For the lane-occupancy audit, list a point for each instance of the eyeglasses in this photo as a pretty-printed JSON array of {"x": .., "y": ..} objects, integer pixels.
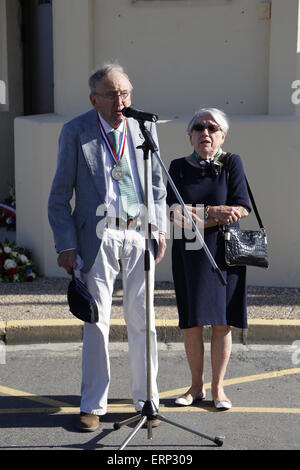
[
  {"x": 113, "y": 96},
  {"x": 200, "y": 127}
]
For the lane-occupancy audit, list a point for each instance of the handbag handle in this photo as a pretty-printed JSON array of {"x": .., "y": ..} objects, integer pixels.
[{"x": 228, "y": 155}]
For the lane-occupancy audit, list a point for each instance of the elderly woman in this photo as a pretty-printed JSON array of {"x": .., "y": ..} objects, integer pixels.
[{"x": 212, "y": 178}]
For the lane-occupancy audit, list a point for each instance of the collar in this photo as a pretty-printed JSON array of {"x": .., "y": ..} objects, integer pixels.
[
  {"x": 203, "y": 161},
  {"x": 108, "y": 128}
]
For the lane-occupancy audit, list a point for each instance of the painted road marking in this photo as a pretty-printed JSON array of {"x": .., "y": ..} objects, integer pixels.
[
  {"x": 162, "y": 409},
  {"x": 236, "y": 380},
  {"x": 30, "y": 396},
  {"x": 56, "y": 406}
]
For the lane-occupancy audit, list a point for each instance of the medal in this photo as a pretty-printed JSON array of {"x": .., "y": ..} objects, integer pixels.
[{"x": 117, "y": 173}]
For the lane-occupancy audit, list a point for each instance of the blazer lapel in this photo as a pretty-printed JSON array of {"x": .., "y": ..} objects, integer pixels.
[{"x": 93, "y": 150}]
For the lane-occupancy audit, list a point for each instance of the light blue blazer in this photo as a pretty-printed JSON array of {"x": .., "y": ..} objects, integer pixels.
[{"x": 80, "y": 168}]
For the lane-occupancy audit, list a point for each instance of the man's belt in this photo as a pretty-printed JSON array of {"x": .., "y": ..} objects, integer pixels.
[{"x": 129, "y": 224}]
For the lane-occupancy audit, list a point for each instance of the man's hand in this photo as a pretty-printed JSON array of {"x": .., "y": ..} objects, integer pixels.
[
  {"x": 161, "y": 248},
  {"x": 67, "y": 260}
]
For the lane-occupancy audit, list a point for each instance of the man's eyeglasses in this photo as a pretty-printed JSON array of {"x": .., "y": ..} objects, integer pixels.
[
  {"x": 113, "y": 96},
  {"x": 200, "y": 127}
]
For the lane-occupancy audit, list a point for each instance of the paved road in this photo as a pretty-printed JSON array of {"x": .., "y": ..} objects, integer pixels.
[{"x": 40, "y": 396}]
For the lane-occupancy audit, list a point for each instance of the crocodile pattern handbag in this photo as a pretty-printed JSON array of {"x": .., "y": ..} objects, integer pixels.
[{"x": 246, "y": 247}]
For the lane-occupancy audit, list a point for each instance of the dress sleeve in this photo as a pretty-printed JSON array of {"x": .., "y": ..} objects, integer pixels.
[
  {"x": 237, "y": 187},
  {"x": 174, "y": 172}
]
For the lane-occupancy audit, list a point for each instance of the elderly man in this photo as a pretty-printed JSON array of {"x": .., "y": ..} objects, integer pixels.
[{"x": 99, "y": 159}]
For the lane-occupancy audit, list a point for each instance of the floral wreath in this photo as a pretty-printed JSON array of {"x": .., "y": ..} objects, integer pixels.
[
  {"x": 8, "y": 211},
  {"x": 16, "y": 264}
]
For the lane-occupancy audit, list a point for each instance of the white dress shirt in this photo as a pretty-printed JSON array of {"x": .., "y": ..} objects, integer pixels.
[{"x": 113, "y": 191}]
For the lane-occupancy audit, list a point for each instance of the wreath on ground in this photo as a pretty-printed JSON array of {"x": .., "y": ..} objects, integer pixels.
[
  {"x": 16, "y": 264},
  {"x": 8, "y": 211}
]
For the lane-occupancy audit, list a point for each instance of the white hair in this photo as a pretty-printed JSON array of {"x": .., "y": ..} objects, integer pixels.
[
  {"x": 217, "y": 115},
  {"x": 102, "y": 73}
]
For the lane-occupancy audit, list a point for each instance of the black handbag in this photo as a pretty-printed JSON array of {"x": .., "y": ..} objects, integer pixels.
[
  {"x": 246, "y": 247},
  {"x": 81, "y": 302}
]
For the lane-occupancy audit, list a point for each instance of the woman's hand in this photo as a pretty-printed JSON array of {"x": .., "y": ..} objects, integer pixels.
[
  {"x": 217, "y": 215},
  {"x": 226, "y": 214}
]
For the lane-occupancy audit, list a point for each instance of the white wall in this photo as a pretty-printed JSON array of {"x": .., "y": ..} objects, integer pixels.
[
  {"x": 190, "y": 53},
  {"x": 73, "y": 54},
  {"x": 179, "y": 55},
  {"x": 270, "y": 150},
  {"x": 36, "y": 143},
  {"x": 284, "y": 48},
  {"x": 271, "y": 162}
]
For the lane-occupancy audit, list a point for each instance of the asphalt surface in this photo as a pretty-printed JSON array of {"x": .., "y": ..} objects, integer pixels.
[{"x": 40, "y": 398}]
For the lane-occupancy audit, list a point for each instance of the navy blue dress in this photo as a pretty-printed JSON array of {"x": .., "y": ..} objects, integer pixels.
[{"x": 201, "y": 297}]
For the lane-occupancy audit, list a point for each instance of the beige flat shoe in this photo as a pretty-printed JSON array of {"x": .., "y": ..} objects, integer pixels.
[
  {"x": 223, "y": 404},
  {"x": 188, "y": 399}
]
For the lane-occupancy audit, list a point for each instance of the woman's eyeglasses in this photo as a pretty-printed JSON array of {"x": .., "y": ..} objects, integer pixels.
[{"x": 200, "y": 127}]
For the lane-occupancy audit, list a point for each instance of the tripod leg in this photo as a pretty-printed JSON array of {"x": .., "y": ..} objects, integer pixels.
[
  {"x": 127, "y": 421},
  {"x": 216, "y": 440},
  {"x": 149, "y": 429},
  {"x": 133, "y": 433}
]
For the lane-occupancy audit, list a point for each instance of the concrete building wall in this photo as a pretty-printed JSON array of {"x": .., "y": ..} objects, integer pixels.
[
  {"x": 180, "y": 55},
  {"x": 272, "y": 166},
  {"x": 190, "y": 53},
  {"x": 73, "y": 54},
  {"x": 169, "y": 47}
]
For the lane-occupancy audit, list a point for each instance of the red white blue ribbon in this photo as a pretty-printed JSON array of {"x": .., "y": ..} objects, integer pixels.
[
  {"x": 8, "y": 209},
  {"x": 117, "y": 157}
]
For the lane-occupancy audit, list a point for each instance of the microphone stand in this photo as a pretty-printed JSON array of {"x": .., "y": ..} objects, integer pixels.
[{"x": 149, "y": 411}]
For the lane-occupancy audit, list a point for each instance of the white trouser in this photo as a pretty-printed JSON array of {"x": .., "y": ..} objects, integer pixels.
[{"x": 126, "y": 247}]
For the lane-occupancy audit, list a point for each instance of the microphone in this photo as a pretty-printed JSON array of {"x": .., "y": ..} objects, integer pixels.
[{"x": 139, "y": 115}]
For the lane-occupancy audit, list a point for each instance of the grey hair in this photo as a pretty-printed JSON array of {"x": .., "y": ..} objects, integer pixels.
[
  {"x": 217, "y": 114},
  {"x": 102, "y": 73}
]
